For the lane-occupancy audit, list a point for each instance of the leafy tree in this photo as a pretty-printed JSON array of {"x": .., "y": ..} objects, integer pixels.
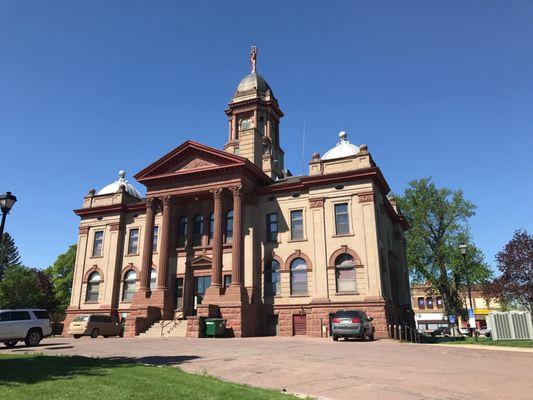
[
  {"x": 61, "y": 274},
  {"x": 9, "y": 254},
  {"x": 515, "y": 262},
  {"x": 24, "y": 287},
  {"x": 438, "y": 220}
]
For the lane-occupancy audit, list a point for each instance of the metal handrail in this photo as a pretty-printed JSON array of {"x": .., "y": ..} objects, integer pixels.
[{"x": 177, "y": 316}]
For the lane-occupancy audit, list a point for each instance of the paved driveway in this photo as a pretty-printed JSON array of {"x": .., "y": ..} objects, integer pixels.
[{"x": 322, "y": 368}]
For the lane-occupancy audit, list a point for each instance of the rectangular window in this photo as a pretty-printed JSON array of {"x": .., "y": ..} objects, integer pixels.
[
  {"x": 342, "y": 224},
  {"x": 297, "y": 224},
  {"x": 20, "y": 316},
  {"x": 98, "y": 243},
  {"x": 421, "y": 303},
  {"x": 272, "y": 227},
  {"x": 429, "y": 302},
  {"x": 227, "y": 280},
  {"x": 156, "y": 238},
  {"x": 133, "y": 242},
  {"x": 440, "y": 304}
]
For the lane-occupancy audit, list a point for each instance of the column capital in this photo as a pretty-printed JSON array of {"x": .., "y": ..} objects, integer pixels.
[
  {"x": 167, "y": 201},
  {"x": 152, "y": 202},
  {"x": 237, "y": 191},
  {"x": 217, "y": 193}
]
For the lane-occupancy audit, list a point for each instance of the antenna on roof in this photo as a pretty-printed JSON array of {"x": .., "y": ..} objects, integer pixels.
[{"x": 303, "y": 148}]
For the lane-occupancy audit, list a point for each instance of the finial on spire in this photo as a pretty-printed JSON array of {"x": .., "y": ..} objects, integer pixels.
[
  {"x": 253, "y": 58},
  {"x": 121, "y": 174},
  {"x": 343, "y": 135}
]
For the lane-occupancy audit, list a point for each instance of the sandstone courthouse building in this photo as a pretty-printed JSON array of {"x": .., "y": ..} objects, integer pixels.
[{"x": 231, "y": 233}]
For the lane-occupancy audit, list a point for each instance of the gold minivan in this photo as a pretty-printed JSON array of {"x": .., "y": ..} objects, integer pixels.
[{"x": 94, "y": 325}]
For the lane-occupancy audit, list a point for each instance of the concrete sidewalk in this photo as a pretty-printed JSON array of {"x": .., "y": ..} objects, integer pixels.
[{"x": 342, "y": 370}]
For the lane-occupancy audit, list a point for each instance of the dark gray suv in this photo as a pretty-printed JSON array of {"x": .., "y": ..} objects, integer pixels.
[{"x": 352, "y": 324}]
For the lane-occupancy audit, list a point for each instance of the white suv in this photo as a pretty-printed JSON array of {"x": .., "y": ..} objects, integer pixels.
[{"x": 29, "y": 324}]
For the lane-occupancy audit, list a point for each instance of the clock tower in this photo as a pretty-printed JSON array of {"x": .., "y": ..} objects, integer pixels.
[{"x": 254, "y": 116}]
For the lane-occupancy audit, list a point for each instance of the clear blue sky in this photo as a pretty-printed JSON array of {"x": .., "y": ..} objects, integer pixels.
[{"x": 441, "y": 89}]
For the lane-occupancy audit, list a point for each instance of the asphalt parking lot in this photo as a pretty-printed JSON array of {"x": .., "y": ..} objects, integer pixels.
[{"x": 382, "y": 369}]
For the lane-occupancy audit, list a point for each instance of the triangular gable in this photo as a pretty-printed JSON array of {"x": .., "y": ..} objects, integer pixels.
[
  {"x": 201, "y": 261},
  {"x": 190, "y": 157}
]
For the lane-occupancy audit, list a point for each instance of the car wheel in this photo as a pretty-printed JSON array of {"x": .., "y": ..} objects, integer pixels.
[
  {"x": 94, "y": 333},
  {"x": 33, "y": 338},
  {"x": 11, "y": 343},
  {"x": 76, "y": 336},
  {"x": 335, "y": 339}
]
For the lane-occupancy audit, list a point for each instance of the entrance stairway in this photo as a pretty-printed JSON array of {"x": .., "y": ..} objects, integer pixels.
[{"x": 176, "y": 327}]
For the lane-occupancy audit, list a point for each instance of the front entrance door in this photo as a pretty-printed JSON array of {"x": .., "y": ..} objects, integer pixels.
[
  {"x": 201, "y": 283},
  {"x": 299, "y": 323}
]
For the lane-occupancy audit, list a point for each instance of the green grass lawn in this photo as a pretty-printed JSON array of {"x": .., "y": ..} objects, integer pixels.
[
  {"x": 488, "y": 342},
  {"x": 50, "y": 377}
]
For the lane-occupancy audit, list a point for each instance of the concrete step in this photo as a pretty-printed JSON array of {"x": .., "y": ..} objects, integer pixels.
[{"x": 171, "y": 329}]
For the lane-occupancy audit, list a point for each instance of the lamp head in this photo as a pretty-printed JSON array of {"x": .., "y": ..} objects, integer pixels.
[
  {"x": 6, "y": 202},
  {"x": 463, "y": 248}
]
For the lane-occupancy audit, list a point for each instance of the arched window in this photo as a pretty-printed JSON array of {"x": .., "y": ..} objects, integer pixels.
[
  {"x": 93, "y": 287},
  {"x": 229, "y": 226},
  {"x": 345, "y": 273},
  {"x": 182, "y": 231},
  {"x": 197, "y": 230},
  {"x": 130, "y": 281},
  {"x": 153, "y": 278},
  {"x": 211, "y": 226},
  {"x": 298, "y": 276},
  {"x": 272, "y": 281}
]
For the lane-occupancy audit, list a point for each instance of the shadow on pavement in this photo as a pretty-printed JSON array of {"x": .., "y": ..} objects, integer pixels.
[{"x": 37, "y": 368}]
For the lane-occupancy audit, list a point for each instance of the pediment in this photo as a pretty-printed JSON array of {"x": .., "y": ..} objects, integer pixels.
[
  {"x": 201, "y": 261},
  {"x": 190, "y": 158}
]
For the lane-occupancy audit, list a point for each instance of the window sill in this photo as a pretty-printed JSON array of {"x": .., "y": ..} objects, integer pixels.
[
  {"x": 346, "y": 293},
  {"x": 344, "y": 235},
  {"x": 91, "y": 302},
  {"x": 97, "y": 256},
  {"x": 299, "y": 295},
  {"x": 297, "y": 240},
  {"x": 131, "y": 254}
]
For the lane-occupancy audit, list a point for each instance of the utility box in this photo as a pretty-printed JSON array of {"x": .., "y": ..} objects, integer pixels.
[{"x": 511, "y": 325}]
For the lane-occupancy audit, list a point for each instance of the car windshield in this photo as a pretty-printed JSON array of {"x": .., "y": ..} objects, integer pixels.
[
  {"x": 346, "y": 314},
  {"x": 81, "y": 318}
]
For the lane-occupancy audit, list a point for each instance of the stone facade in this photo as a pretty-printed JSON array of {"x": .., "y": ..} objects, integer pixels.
[{"x": 206, "y": 223}]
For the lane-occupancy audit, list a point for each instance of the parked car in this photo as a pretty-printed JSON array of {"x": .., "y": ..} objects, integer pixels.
[
  {"x": 464, "y": 331},
  {"x": 352, "y": 324},
  {"x": 30, "y": 325},
  {"x": 441, "y": 331},
  {"x": 94, "y": 325},
  {"x": 484, "y": 332}
]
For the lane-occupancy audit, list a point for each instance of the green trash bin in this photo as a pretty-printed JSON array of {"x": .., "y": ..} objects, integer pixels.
[{"x": 214, "y": 327}]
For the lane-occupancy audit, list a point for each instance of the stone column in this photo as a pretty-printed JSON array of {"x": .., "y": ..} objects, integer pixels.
[
  {"x": 148, "y": 245},
  {"x": 235, "y": 128},
  {"x": 164, "y": 231},
  {"x": 216, "y": 268},
  {"x": 236, "y": 268}
]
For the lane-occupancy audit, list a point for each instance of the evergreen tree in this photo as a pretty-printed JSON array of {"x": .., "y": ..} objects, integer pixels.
[{"x": 9, "y": 254}]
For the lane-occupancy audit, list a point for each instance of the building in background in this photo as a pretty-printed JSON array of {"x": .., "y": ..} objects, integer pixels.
[
  {"x": 231, "y": 233},
  {"x": 428, "y": 306}
]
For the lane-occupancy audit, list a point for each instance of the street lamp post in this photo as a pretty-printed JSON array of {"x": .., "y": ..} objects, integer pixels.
[
  {"x": 6, "y": 202},
  {"x": 463, "y": 248}
]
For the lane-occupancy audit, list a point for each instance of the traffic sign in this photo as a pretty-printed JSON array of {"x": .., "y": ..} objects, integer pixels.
[
  {"x": 470, "y": 313},
  {"x": 452, "y": 319}
]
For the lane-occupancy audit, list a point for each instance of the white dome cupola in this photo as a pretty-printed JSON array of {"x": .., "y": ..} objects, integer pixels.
[
  {"x": 343, "y": 148},
  {"x": 115, "y": 186}
]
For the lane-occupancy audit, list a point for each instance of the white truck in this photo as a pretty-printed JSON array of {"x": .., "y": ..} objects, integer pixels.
[{"x": 28, "y": 324}]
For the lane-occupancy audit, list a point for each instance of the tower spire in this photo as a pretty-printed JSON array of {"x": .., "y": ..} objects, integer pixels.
[{"x": 253, "y": 59}]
